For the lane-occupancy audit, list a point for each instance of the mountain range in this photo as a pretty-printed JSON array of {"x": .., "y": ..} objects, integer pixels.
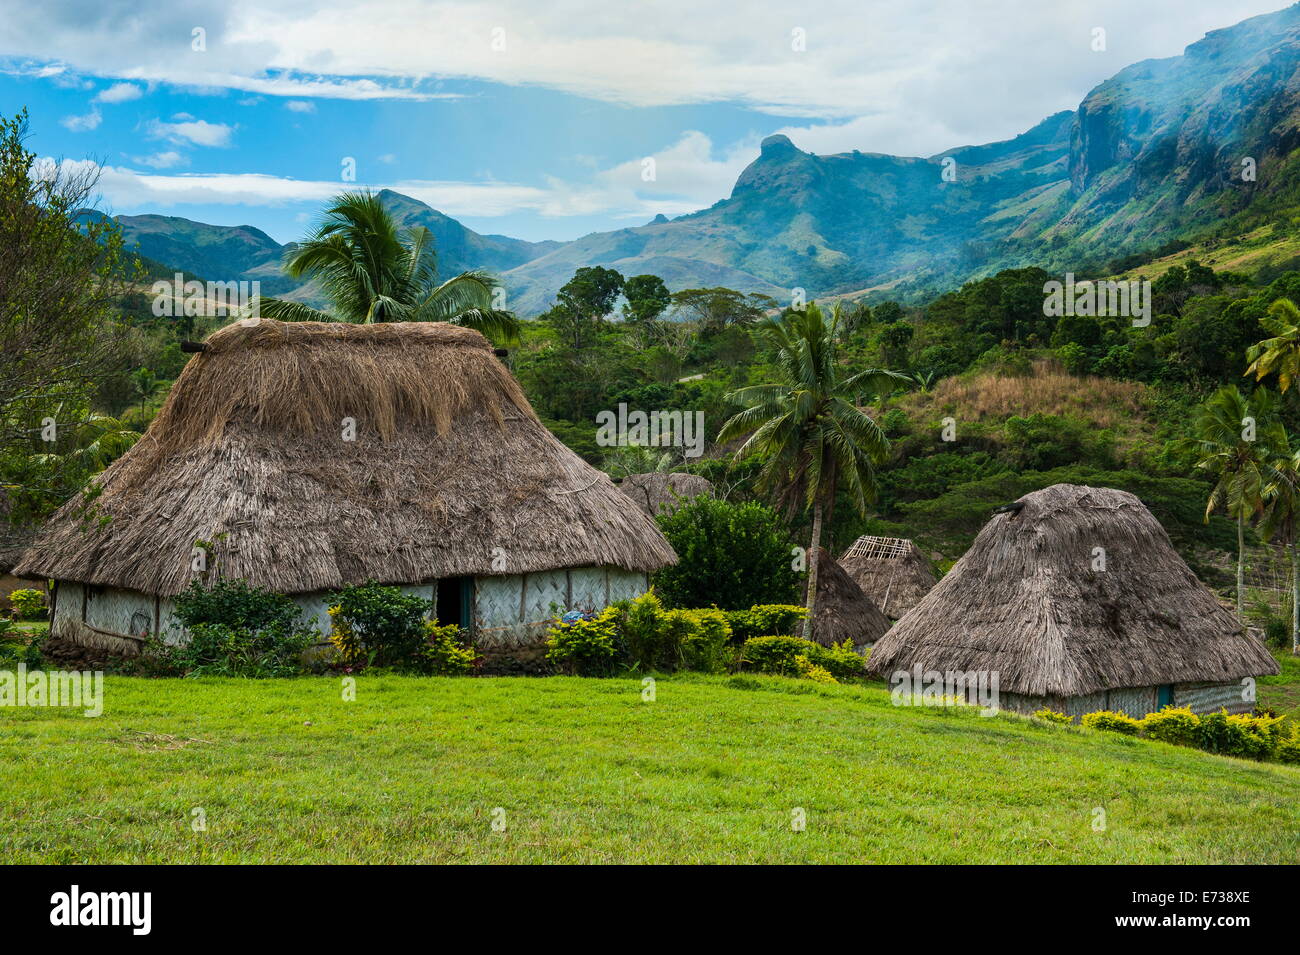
[{"x": 1161, "y": 149}]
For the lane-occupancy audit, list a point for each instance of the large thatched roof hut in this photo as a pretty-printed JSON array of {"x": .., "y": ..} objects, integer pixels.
[
  {"x": 843, "y": 611},
  {"x": 1076, "y": 599},
  {"x": 661, "y": 492},
  {"x": 892, "y": 571},
  {"x": 303, "y": 457}
]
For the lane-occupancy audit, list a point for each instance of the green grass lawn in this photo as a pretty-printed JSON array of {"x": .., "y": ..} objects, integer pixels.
[{"x": 585, "y": 771}]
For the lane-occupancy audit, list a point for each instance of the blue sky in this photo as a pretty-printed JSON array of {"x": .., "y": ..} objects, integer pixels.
[{"x": 537, "y": 120}]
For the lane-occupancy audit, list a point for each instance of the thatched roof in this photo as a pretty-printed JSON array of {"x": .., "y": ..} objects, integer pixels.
[
  {"x": 892, "y": 571},
  {"x": 1026, "y": 602},
  {"x": 450, "y": 472},
  {"x": 843, "y": 611},
  {"x": 660, "y": 493}
]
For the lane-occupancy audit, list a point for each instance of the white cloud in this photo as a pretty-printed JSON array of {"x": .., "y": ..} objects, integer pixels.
[
  {"x": 162, "y": 160},
  {"x": 300, "y": 106},
  {"x": 119, "y": 93},
  {"x": 687, "y": 176},
  {"x": 84, "y": 123},
  {"x": 189, "y": 131},
  {"x": 974, "y": 73}
]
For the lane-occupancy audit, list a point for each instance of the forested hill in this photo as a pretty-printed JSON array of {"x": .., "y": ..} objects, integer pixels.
[{"x": 1162, "y": 150}]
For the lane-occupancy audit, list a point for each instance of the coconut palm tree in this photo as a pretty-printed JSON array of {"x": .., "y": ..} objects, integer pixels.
[
  {"x": 1281, "y": 518},
  {"x": 806, "y": 426},
  {"x": 146, "y": 385},
  {"x": 1280, "y": 354},
  {"x": 372, "y": 272},
  {"x": 1234, "y": 435}
]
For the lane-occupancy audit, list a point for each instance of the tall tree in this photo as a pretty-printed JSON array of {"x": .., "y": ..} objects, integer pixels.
[
  {"x": 583, "y": 302},
  {"x": 716, "y": 308},
  {"x": 1281, "y": 517},
  {"x": 811, "y": 435},
  {"x": 647, "y": 297},
  {"x": 62, "y": 271},
  {"x": 1279, "y": 355},
  {"x": 373, "y": 272},
  {"x": 1234, "y": 435}
]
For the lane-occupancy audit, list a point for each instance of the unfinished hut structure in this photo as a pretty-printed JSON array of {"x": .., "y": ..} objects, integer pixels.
[
  {"x": 892, "y": 571},
  {"x": 842, "y": 611},
  {"x": 662, "y": 492},
  {"x": 303, "y": 457},
  {"x": 1075, "y": 598}
]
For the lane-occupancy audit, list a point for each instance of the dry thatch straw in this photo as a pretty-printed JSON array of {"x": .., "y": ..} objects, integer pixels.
[
  {"x": 892, "y": 571},
  {"x": 661, "y": 493},
  {"x": 1026, "y": 602},
  {"x": 843, "y": 611},
  {"x": 248, "y": 459}
]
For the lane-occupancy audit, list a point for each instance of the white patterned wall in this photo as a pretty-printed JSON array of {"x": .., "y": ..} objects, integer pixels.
[{"x": 511, "y": 610}]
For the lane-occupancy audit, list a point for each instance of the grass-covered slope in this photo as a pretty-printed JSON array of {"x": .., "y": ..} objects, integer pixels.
[{"x": 585, "y": 771}]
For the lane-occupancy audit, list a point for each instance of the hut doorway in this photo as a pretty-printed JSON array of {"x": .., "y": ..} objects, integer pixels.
[{"x": 455, "y": 601}]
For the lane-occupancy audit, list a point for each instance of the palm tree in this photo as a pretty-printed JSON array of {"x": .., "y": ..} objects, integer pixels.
[
  {"x": 96, "y": 441},
  {"x": 1234, "y": 435},
  {"x": 146, "y": 385},
  {"x": 1282, "y": 518},
  {"x": 811, "y": 434},
  {"x": 370, "y": 272},
  {"x": 1281, "y": 353}
]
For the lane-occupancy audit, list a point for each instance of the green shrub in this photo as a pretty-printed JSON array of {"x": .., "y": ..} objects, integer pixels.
[
  {"x": 777, "y": 654},
  {"x": 16, "y": 647},
  {"x": 667, "y": 640},
  {"x": 234, "y": 630},
  {"x": 764, "y": 620},
  {"x": 1112, "y": 722},
  {"x": 1277, "y": 633},
  {"x": 650, "y": 643},
  {"x": 705, "y": 638},
  {"x": 1243, "y": 735},
  {"x": 234, "y": 604},
  {"x": 1288, "y": 747},
  {"x": 378, "y": 625},
  {"x": 1051, "y": 716},
  {"x": 1260, "y": 735},
  {"x": 811, "y": 671},
  {"x": 843, "y": 662},
  {"x": 217, "y": 649},
  {"x": 729, "y": 555},
  {"x": 448, "y": 650},
  {"x": 780, "y": 655},
  {"x": 29, "y": 603},
  {"x": 1173, "y": 724},
  {"x": 585, "y": 647}
]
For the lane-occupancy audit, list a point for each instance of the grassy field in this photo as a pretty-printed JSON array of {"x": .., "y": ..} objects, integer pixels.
[{"x": 711, "y": 771}]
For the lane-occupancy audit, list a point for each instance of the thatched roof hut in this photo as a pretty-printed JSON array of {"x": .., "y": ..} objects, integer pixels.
[
  {"x": 661, "y": 492},
  {"x": 307, "y": 456},
  {"x": 843, "y": 611},
  {"x": 892, "y": 571},
  {"x": 1076, "y": 599}
]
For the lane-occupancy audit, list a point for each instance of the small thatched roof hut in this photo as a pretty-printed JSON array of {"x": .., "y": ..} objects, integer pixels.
[
  {"x": 892, "y": 571},
  {"x": 303, "y": 457},
  {"x": 662, "y": 492},
  {"x": 843, "y": 611},
  {"x": 1076, "y": 599}
]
